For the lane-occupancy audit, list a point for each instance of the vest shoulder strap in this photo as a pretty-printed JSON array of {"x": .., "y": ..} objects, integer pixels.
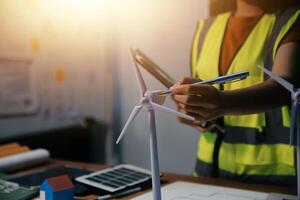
[
  {"x": 280, "y": 22},
  {"x": 206, "y": 26}
]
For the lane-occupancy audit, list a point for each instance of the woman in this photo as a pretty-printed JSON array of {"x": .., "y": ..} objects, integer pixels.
[{"x": 254, "y": 112}]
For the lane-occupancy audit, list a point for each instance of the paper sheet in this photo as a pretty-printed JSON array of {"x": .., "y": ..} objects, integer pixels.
[
  {"x": 17, "y": 89},
  {"x": 192, "y": 191}
]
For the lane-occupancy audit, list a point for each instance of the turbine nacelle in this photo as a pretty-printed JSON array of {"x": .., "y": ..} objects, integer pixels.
[{"x": 153, "y": 97}]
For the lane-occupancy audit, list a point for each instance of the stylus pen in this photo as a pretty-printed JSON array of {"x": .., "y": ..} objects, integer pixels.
[
  {"x": 219, "y": 80},
  {"x": 126, "y": 192}
]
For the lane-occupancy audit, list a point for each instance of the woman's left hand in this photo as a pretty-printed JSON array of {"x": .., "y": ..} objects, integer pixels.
[{"x": 204, "y": 102}]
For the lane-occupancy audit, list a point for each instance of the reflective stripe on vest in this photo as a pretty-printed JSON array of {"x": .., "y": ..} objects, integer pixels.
[
  {"x": 203, "y": 169},
  {"x": 254, "y": 145}
]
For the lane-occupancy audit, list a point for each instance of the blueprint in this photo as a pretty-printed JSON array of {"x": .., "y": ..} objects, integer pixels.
[{"x": 192, "y": 191}]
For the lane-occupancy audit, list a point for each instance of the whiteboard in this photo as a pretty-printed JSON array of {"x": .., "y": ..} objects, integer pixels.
[{"x": 192, "y": 191}]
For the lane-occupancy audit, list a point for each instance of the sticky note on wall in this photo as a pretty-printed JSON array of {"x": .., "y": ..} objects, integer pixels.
[
  {"x": 59, "y": 75},
  {"x": 35, "y": 44}
]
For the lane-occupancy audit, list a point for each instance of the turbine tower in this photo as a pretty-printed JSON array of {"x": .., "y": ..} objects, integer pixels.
[
  {"x": 151, "y": 101},
  {"x": 294, "y": 129}
]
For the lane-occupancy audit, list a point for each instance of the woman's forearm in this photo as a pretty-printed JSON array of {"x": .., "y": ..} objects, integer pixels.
[
  {"x": 255, "y": 99},
  {"x": 269, "y": 94}
]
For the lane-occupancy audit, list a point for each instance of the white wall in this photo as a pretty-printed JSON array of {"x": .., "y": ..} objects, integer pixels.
[
  {"x": 164, "y": 31},
  {"x": 97, "y": 44},
  {"x": 70, "y": 39}
]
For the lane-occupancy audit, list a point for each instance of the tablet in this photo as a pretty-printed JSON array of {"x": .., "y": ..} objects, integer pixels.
[{"x": 162, "y": 76}]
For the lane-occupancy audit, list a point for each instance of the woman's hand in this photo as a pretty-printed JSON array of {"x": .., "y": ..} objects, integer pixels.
[
  {"x": 204, "y": 102},
  {"x": 200, "y": 126}
]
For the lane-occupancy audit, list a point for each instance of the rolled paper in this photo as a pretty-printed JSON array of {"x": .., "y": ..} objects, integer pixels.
[{"x": 23, "y": 160}]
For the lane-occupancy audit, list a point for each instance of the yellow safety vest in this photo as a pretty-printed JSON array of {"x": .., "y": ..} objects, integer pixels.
[{"x": 254, "y": 147}]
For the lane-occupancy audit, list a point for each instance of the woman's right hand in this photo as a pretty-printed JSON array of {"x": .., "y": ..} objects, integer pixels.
[{"x": 200, "y": 126}]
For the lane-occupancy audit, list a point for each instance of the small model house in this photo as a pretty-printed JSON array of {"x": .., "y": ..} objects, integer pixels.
[{"x": 57, "y": 188}]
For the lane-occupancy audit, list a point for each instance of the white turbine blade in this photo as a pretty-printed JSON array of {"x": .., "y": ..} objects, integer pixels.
[
  {"x": 293, "y": 124},
  {"x": 139, "y": 76},
  {"x": 280, "y": 80},
  {"x": 133, "y": 114},
  {"x": 171, "y": 111}
]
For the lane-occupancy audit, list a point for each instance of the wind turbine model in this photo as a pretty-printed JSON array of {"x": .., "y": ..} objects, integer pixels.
[
  {"x": 294, "y": 129},
  {"x": 150, "y": 100}
]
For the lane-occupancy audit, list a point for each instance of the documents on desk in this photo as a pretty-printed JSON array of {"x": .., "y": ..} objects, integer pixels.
[{"x": 192, "y": 191}]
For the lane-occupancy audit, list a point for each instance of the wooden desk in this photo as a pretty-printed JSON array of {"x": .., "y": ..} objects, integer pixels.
[{"x": 170, "y": 178}]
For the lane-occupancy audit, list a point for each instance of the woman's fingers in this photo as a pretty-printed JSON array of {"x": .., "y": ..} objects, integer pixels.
[
  {"x": 194, "y": 100},
  {"x": 203, "y": 102},
  {"x": 184, "y": 80},
  {"x": 191, "y": 89},
  {"x": 187, "y": 80},
  {"x": 201, "y": 114},
  {"x": 196, "y": 124},
  {"x": 185, "y": 121},
  {"x": 203, "y": 111},
  {"x": 199, "y": 123},
  {"x": 199, "y": 119}
]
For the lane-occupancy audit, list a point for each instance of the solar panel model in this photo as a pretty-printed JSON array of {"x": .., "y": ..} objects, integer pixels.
[{"x": 116, "y": 178}]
